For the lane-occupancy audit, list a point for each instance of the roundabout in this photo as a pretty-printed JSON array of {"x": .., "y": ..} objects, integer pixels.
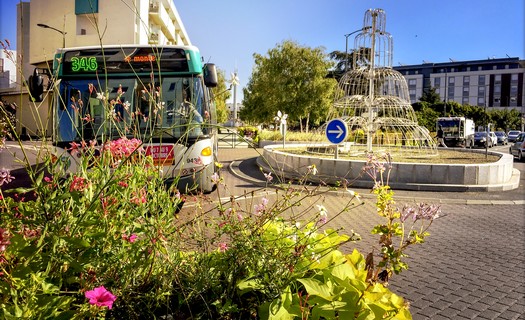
[{"x": 420, "y": 176}]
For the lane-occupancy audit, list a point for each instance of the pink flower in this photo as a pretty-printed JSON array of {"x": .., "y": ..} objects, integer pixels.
[
  {"x": 223, "y": 246},
  {"x": 78, "y": 184},
  {"x": 259, "y": 208},
  {"x": 101, "y": 297},
  {"x": 215, "y": 178},
  {"x": 131, "y": 238}
]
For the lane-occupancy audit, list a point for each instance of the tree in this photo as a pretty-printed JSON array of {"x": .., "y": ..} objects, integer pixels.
[
  {"x": 290, "y": 78},
  {"x": 430, "y": 96},
  {"x": 344, "y": 61},
  {"x": 221, "y": 93}
]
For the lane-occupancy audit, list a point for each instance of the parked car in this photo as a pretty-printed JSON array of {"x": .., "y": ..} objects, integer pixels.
[
  {"x": 517, "y": 149},
  {"x": 480, "y": 139},
  {"x": 502, "y": 137},
  {"x": 512, "y": 135}
]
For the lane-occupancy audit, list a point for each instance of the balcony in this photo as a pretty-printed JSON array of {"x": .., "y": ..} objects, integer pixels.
[
  {"x": 154, "y": 38},
  {"x": 154, "y": 7}
]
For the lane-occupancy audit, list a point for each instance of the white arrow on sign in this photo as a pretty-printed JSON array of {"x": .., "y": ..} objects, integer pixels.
[{"x": 339, "y": 131}]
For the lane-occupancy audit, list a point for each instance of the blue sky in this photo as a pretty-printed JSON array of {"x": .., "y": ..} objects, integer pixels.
[{"x": 228, "y": 32}]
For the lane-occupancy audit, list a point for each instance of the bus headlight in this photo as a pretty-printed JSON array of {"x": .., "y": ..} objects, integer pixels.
[{"x": 206, "y": 152}]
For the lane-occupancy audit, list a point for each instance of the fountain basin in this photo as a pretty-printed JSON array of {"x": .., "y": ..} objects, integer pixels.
[{"x": 494, "y": 176}]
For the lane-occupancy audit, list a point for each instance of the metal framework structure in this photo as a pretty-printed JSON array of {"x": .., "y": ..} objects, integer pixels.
[{"x": 373, "y": 98}]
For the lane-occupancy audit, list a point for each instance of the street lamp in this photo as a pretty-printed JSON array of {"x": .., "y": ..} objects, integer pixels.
[
  {"x": 346, "y": 49},
  {"x": 63, "y": 33}
]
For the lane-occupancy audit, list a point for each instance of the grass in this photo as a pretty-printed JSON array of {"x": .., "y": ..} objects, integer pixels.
[{"x": 442, "y": 156}]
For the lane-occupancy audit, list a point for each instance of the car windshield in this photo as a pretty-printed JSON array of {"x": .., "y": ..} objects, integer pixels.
[
  {"x": 480, "y": 134},
  {"x": 514, "y": 133},
  {"x": 500, "y": 134}
]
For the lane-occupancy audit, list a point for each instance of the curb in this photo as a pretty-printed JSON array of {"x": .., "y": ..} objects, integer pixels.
[{"x": 233, "y": 168}]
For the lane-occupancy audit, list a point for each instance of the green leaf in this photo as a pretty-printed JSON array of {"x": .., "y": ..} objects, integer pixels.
[
  {"x": 317, "y": 288},
  {"x": 248, "y": 285},
  {"x": 77, "y": 242},
  {"x": 49, "y": 288}
]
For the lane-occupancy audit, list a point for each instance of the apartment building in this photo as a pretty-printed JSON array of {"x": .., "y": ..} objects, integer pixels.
[{"x": 493, "y": 83}]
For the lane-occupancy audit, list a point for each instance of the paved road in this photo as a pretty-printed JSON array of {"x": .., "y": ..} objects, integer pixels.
[{"x": 472, "y": 265}]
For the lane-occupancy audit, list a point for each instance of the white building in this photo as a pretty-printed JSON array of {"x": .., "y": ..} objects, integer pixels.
[{"x": 7, "y": 69}]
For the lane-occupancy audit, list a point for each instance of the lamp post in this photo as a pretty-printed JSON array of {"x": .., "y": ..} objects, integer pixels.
[
  {"x": 63, "y": 33},
  {"x": 346, "y": 48}
]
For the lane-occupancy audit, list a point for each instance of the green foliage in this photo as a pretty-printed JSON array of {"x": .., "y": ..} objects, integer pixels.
[
  {"x": 221, "y": 94},
  {"x": 7, "y": 122},
  {"x": 90, "y": 229},
  {"x": 249, "y": 132},
  {"x": 115, "y": 224},
  {"x": 290, "y": 78},
  {"x": 428, "y": 112},
  {"x": 430, "y": 96},
  {"x": 426, "y": 116},
  {"x": 275, "y": 135}
]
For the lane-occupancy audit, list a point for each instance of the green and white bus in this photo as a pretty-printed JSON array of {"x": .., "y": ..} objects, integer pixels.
[{"x": 160, "y": 95}]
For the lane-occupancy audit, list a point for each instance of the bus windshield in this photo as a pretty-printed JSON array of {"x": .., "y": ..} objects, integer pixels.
[{"x": 135, "y": 107}]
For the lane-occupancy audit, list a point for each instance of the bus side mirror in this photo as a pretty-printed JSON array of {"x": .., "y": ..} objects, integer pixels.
[
  {"x": 36, "y": 87},
  {"x": 210, "y": 75}
]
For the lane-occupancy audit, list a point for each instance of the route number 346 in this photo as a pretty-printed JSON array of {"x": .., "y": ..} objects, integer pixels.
[{"x": 84, "y": 64}]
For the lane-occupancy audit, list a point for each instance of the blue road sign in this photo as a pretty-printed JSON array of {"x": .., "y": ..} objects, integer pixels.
[{"x": 336, "y": 131}]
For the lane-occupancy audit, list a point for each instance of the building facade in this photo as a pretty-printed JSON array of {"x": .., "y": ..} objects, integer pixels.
[
  {"x": 7, "y": 69},
  {"x": 497, "y": 84},
  {"x": 94, "y": 22}
]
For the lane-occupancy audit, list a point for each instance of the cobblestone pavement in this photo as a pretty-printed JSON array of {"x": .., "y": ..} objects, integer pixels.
[{"x": 472, "y": 266}]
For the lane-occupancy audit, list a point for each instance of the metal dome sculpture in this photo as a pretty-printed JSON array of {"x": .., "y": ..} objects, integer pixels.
[{"x": 373, "y": 99}]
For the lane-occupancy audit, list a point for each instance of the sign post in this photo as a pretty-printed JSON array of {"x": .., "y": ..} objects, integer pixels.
[{"x": 336, "y": 132}]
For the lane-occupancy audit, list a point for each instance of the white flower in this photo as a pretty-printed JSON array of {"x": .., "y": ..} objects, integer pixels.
[
  {"x": 323, "y": 214},
  {"x": 354, "y": 194}
]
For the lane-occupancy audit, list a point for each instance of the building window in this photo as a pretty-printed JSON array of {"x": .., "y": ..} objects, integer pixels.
[
  {"x": 437, "y": 82},
  {"x": 481, "y": 80},
  {"x": 497, "y": 78},
  {"x": 481, "y": 101},
  {"x": 466, "y": 80},
  {"x": 481, "y": 91},
  {"x": 412, "y": 82},
  {"x": 514, "y": 77},
  {"x": 86, "y": 6},
  {"x": 465, "y": 100}
]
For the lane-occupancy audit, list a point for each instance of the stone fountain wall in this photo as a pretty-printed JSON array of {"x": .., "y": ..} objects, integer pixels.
[{"x": 496, "y": 176}]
